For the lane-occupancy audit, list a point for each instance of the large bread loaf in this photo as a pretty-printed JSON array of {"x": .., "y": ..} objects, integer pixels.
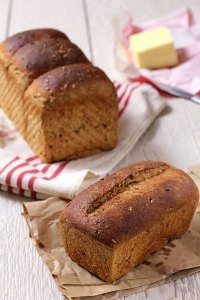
[
  {"x": 116, "y": 223},
  {"x": 62, "y": 105}
]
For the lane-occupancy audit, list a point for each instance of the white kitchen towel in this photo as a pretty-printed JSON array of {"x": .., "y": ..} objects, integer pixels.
[{"x": 23, "y": 173}]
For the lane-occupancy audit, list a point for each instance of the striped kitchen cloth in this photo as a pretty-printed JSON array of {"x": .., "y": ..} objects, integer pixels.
[{"x": 21, "y": 171}]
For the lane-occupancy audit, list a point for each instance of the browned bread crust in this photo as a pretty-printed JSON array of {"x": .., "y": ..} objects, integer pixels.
[
  {"x": 39, "y": 78},
  {"x": 127, "y": 216},
  {"x": 61, "y": 79},
  {"x": 13, "y": 43},
  {"x": 43, "y": 55}
]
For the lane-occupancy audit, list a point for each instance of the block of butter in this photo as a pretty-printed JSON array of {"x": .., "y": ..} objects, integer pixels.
[{"x": 153, "y": 49}]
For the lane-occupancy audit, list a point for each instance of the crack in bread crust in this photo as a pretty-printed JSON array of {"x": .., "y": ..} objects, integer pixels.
[
  {"x": 137, "y": 211},
  {"x": 122, "y": 186},
  {"x": 140, "y": 203}
]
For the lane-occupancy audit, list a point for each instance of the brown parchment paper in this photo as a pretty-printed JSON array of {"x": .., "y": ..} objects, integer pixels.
[{"x": 179, "y": 258}]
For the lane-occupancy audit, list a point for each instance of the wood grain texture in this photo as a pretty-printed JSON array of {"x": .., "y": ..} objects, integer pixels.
[
  {"x": 66, "y": 15},
  {"x": 174, "y": 137},
  {"x": 5, "y": 10},
  {"x": 23, "y": 274}
]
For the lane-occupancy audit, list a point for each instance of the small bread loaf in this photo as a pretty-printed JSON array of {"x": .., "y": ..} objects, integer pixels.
[
  {"x": 62, "y": 105},
  {"x": 119, "y": 221}
]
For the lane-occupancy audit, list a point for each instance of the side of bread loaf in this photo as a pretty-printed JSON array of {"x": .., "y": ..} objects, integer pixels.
[
  {"x": 116, "y": 223},
  {"x": 30, "y": 60},
  {"x": 76, "y": 105}
]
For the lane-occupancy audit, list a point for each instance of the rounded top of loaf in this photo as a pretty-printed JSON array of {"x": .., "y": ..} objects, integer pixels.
[
  {"x": 41, "y": 56},
  {"x": 16, "y": 41},
  {"x": 75, "y": 82},
  {"x": 128, "y": 201}
]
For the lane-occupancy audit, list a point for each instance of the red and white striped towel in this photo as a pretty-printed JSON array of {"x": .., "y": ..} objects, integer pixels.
[{"x": 23, "y": 173}]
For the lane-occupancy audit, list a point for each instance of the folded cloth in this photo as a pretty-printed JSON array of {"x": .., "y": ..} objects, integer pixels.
[
  {"x": 186, "y": 35},
  {"x": 23, "y": 173}
]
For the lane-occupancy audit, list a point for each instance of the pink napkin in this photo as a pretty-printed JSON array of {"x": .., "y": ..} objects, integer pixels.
[{"x": 186, "y": 35}]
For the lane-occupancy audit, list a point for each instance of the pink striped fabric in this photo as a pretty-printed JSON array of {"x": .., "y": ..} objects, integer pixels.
[
  {"x": 27, "y": 176},
  {"x": 9, "y": 132}
]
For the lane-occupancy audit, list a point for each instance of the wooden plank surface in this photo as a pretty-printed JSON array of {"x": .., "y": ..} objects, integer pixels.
[
  {"x": 174, "y": 137},
  {"x": 5, "y": 9},
  {"x": 66, "y": 15}
]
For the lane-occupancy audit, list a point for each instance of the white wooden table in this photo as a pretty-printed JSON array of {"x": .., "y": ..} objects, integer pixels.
[{"x": 174, "y": 137}]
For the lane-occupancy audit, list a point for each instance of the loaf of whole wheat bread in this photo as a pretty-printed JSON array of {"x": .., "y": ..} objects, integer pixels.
[
  {"x": 62, "y": 105},
  {"x": 119, "y": 221}
]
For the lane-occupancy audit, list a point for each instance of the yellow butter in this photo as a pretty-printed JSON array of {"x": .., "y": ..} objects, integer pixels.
[{"x": 153, "y": 49}]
